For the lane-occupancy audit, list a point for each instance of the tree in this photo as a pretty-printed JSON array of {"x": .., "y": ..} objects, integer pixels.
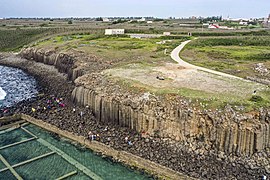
[
  {"x": 69, "y": 21},
  {"x": 99, "y": 19}
]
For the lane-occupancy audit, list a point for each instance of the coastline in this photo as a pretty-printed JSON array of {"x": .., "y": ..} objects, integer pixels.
[{"x": 154, "y": 149}]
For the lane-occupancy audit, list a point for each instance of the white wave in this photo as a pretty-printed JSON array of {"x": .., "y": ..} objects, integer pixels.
[{"x": 2, "y": 94}]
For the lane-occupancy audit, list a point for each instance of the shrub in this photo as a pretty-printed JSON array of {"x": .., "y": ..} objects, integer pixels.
[{"x": 256, "y": 98}]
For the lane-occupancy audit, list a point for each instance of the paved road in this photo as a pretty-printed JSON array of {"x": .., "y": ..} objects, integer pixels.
[{"x": 175, "y": 56}]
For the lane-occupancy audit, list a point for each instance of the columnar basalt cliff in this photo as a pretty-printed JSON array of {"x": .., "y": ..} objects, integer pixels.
[
  {"x": 65, "y": 63},
  {"x": 168, "y": 117},
  {"x": 226, "y": 131}
]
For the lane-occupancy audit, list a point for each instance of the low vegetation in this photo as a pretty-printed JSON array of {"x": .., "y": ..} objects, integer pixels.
[
  {"x": 11, "y": 40},
  {"x": 121, "y": 49},
  {"x": 234, "y": 55}
]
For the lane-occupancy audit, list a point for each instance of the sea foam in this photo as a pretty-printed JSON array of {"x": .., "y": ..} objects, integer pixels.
[{"x": 2, "y": 94}]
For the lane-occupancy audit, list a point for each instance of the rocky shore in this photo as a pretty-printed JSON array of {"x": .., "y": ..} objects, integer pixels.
[{"x": 80, "y": 120}]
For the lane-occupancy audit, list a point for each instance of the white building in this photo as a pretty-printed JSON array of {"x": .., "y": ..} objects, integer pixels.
[
  {"x": 166, "y": 33},
  {"x": 149, "y": 22},
  {"x": 114, "y": 31},
  {"x": 141, "y": 20},
  {"x": 106, "y": 19}
]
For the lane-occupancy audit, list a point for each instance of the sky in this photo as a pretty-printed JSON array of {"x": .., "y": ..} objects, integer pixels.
[{"x": 138, "y": 8}]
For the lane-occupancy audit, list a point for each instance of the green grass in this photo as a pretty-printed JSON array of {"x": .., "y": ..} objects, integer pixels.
[
  {"x": 234, "y": 55},
  {"x": 232, "y": 33},
  {"x": 232, "y": 41},
  {"x": 239, "y": 53},
  {"x": 119, "y": 50},
  {"x": 14, "y": 39}
]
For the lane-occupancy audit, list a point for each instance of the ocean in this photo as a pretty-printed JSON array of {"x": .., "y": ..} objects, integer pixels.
[{"x": 15, "y": 86}]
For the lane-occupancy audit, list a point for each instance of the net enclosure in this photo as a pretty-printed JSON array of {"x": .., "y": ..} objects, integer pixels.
[{"x": 29, "y": 152}]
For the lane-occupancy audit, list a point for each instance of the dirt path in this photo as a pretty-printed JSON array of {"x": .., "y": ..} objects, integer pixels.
[{"x": 175, "y": 56}]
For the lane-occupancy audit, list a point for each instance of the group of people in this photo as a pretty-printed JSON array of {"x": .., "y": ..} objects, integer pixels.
[
  {"x": 52, "y": 103},
  {"x": 96, "y": 137}
]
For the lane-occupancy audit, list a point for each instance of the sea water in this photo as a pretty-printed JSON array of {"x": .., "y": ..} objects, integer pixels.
[{"x": 15, "y": 86}]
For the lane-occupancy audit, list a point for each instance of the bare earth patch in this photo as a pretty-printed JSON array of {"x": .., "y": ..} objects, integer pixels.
[{"x": 177, "y": 77}]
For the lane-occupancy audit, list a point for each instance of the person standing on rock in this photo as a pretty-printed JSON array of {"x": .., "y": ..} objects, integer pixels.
[
  {"x": 89, "y": 134},
  {"x": 130, "y": 143},
  {"x": 81, "y": 114}
]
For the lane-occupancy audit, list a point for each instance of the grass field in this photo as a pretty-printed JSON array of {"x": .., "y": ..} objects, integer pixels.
[
  {"x": 233, "y": 55},
  {"x": 12, "y": 40},
  {"x": 121, "y": 49}
]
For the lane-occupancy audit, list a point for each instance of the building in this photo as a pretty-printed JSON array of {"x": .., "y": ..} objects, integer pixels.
[
  {"x": 216, "y": 26},
  {"x": 141, "y": 20},
  {"x": 114, "y": 31},
  {"x": 166, "y": 33},
  {"x": 149, "y": 22},
  {"x": 144, "y": 36},
  {"x": 213, "y": 26},
  {"x": 243, "y": 23},
  {"x": 106, "y": 19}
]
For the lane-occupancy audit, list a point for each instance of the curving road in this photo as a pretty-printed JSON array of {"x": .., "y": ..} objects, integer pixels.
[{"x": 175, "y": 56}]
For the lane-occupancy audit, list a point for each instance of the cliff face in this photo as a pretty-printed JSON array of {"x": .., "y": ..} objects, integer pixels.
[
  {"x": 226, "y": 131},
  {"x": 65, "y": 63}
]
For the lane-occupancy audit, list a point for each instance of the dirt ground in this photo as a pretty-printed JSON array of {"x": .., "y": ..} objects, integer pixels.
[{"x": 176, "y": 76}]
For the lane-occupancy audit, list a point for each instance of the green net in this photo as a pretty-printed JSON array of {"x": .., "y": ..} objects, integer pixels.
[
  {"x": 13, "y": 136},
  {"x": 7, "y": 175},
  {"x": 2, "y": 165},
  {"x": 78, "y": 176},
  {"x": 23, "y": 152},
  {"x": 104, "y": 168},
  {"x": 37, "y": 158},
  {"x": 50, "y": 167}
]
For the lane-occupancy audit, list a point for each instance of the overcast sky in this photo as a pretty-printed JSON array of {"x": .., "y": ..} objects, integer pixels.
[{"x": 156, "y": 8}]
